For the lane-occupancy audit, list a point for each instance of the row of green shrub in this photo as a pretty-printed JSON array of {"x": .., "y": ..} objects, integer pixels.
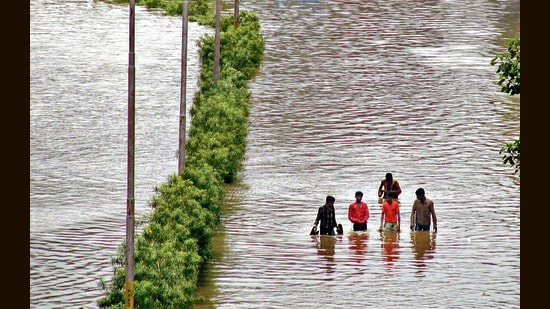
[
  {"x": 201, "y": 11},
  {"x": 176, "y": 239}
]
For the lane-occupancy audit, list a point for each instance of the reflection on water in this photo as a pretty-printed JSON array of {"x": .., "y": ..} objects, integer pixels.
[
  {"x": 358, "y": 242},
  {"x": 78, "y": 128},
  {"x": 325, "y": 249},
  {"x": 424, "y": 248},
  {"x": 423, "y": 244},
  {"x": 390, "y": 247},
  {"x": 348, "y": 91}
]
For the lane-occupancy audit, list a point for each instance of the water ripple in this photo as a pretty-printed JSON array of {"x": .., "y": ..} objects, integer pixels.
[{"x": 348, "y": 91}]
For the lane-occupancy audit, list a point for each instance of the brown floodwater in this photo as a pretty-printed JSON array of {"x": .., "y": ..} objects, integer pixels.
[{"x": 348, "y": 91}]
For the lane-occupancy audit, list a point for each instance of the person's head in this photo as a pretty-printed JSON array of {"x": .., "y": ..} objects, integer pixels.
[
  {"x": 389, "y": 177},
  {"x": 358, "y": 196},
  {"x": 420, "y": 194},
  {"x": 330, "y": 199},
  {"x": 390, "y": 196}
]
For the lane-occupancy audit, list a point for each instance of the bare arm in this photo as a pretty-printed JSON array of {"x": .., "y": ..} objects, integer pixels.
[
  {"x": 434, "y": 217},
  {"x": 397, "y": 188},
  {"x": 381, "y": 220},
  {"x": 413, "y": 216},
  {"x": 380, "y": 189},
  {"x": 398, "y": 221}
]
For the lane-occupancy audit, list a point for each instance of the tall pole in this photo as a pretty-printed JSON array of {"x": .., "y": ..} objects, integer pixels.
[
  {"x": 217, "y": 44},
  {"x": 183, "y": 107},
  {"x": 236, "y": 14},
  {"x": 129, "y": 286}
]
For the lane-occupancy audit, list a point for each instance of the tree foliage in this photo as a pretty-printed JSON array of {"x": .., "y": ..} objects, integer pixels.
[
  {"x": 509, "y": 67},
  {"x": 509, "y": 80},
  {"x": 511, "y": 154}
]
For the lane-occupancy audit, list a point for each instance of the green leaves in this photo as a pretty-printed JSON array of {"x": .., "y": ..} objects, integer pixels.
[
  {"x": 509, "y": 67},
  {"x": 176, "y": 241},
  {"x": 509, "y": 80},
  {"x": 512, "y": 154}
]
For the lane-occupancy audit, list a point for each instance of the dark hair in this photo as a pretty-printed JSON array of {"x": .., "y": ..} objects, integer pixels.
[
  {"x": 359, "y": 193},
  {"x": 389, "y": 176},
  {"x": 391, "y": 194},
  {"x": 420, "y": 192},
  {"x": 330, "y": 199}
]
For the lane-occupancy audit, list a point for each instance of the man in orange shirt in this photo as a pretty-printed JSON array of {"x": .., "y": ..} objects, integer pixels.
[
  {"x": 390, "y": 217},
  {"x": 358, "y": 213}
]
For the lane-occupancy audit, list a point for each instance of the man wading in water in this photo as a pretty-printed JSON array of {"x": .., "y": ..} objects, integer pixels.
[
  {"x": 358, "y": 213},
  {"x": 390, "y": 219},
  {"x": 422, "y": 210},
  {"x": 389, "y": 185},
  {"x": 326, "y": 215}
]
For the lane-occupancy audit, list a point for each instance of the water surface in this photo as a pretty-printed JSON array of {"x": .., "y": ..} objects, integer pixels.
[{"x": 348, "y": 91}]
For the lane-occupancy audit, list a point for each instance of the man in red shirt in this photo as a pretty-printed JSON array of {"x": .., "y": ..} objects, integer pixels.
[
  {"x": 390, "y": 217},
  {"x": 358, "y": 213}
]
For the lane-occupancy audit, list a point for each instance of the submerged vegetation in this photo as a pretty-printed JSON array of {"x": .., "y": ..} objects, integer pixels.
[
  {"x": 176, "y": 240},
  {"x": 198, "y": 10}
]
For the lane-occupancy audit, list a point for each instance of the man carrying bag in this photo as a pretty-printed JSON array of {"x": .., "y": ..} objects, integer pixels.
[{"x": 327, "y": 217}]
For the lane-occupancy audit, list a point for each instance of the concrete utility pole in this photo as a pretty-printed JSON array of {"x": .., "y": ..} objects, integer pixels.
[
  {"x": 183, "y": 106},
  {"x": 217, "y": 44},
  {"x": 129, "y": 286}
]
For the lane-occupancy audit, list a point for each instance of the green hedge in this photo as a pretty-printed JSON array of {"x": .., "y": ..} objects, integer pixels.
[{"x": 176, "y": 238}]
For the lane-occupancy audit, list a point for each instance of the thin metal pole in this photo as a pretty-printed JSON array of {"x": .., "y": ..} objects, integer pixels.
[
  {"x": 183, "y": 106},
  {"x": 236, "y": 14},
  {"x": 217, "y": 44},
  {"x": 129, "y": 286}
]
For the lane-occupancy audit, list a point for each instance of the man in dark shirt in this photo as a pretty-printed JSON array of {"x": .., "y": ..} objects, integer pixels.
[{"x": 326, "y": 215}]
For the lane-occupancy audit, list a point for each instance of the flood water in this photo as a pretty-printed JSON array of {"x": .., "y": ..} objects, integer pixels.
[
  {"x": 348, "y": 91},
  {"x": 78, "y": 136}
]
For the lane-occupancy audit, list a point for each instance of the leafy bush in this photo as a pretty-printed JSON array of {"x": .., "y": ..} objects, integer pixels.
[
  {"x": 176, "y": 242},
  {"x": 241, "y": 48},
  {"x": 512, "y": 155},
  {"x": 509, "y": 80},
  {"x": 509, "y": 67}
]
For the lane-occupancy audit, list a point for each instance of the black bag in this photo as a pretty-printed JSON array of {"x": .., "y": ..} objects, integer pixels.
[
  {"x": 314, "y": 230},
  {"x": 340, "y": 229}
]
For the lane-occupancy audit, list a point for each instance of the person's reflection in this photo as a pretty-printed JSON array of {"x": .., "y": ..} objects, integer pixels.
[
  {"x": 390, "y": 246},
  {"x": 358, "y": 243},
  {"x": 424, "y": 247},
  {"x": 325, "y": 248}
]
